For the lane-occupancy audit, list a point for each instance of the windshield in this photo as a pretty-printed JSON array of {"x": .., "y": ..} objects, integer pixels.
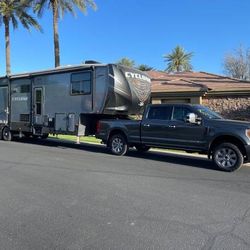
[{"x": 208, "y": 113}]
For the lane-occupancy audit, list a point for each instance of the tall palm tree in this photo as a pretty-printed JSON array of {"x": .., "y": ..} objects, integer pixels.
[
  {"x": 14, "y": 11},
  {"x": 59, "y": 7},
  {"x": 178, "y": 60}
]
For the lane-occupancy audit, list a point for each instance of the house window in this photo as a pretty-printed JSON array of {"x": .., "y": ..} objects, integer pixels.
[
  {"x": 174, "y": 101},
  {"x": 81, "y": 83}
]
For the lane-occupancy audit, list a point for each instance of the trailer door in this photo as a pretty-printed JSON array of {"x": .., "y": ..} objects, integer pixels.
[
  {"x": 38, "y": 104},
  {"x": 4, "y": 105}
]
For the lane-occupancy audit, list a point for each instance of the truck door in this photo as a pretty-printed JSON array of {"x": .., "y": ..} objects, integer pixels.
[
  {"x": 154, "y": 127},
  {"x": 4, "y": 105},
  {"x": 38, "y": 105},
  {"x": 183, "y": 134}
]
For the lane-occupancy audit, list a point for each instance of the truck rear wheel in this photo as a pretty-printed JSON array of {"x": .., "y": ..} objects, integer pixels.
[
  {"x": 228, "y": 157},
  {"x": 6, "y": 134},
  {"x": 118, "y": 144}
]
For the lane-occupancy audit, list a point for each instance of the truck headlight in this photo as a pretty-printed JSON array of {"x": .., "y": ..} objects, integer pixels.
[{"x": 248, "y": 133}]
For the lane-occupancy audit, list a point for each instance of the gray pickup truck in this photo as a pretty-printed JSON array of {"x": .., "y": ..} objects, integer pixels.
[{"x": 192, "y": 128}]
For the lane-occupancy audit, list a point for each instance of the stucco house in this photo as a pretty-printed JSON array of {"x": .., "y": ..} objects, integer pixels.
[{"x": 228, "y": 96}]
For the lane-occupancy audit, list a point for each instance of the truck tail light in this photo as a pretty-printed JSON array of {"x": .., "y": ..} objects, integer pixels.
[
  {"x": 98, "y": 127},
  {"x": 248, "y": 133}
]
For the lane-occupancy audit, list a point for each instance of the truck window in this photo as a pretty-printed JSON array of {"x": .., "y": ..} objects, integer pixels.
[
  {"x": 81, "y": 83},
  {"x": 180, "y": 113},
  {"x": 160, "y": 113}
]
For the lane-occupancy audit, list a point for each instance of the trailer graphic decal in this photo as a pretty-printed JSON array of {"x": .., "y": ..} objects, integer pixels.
[{"x": 142, "y": 86}]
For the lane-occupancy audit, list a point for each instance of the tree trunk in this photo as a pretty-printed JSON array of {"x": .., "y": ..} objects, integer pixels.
[
  {"x": 178, "y": 68},
  {"x": 56, "y": 35},
  {"x": 7, "y": 45}
]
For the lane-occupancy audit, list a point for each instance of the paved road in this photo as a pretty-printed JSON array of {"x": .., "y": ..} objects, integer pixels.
[{"x": 64, "y": 196}]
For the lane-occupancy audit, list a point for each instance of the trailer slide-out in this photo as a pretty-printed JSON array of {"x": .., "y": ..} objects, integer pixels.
[{"x": 70, "y": 100}]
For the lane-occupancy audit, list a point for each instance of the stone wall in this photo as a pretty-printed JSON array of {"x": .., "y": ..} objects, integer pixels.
[{"x": 237, "y": 108}]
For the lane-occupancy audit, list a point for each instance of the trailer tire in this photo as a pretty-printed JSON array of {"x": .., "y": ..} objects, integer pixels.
[
  {"x": 44, "y": 136},
  {"x": 228, "y": 157},
  {"x": 117, "y": 144},
  {"x": 6, "y": 134},
  {"x": 142, "y": 148}
]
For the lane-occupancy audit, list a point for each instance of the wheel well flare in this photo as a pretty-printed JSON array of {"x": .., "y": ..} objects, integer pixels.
[
  {"x": 227, "y": 139},
  {"x": 117, "y": 131}
]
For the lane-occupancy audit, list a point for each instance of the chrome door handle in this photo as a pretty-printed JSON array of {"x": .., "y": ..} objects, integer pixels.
[
  {"x": 171, "y": 126},
  {"x": 146, "y": 125}
]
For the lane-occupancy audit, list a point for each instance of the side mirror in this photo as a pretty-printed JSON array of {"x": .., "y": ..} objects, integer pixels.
[{"x": 193, "y": 119}]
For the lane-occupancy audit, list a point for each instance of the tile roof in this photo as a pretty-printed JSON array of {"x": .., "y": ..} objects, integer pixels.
[{"x": 194, "y": 81}]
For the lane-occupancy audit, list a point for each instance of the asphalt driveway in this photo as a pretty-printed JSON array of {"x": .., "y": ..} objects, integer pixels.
[{"x": 56, "y": 195}]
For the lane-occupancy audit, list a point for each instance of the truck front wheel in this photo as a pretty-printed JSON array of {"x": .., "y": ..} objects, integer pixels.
[
  {"x": 118, "y": 144},
  {"x": 228, "y": 157}
]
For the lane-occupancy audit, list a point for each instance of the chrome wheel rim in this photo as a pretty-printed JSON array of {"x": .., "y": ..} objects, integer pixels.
[
  {"x": 226, "y": 157},
  {"x": 117, "y": 145}
]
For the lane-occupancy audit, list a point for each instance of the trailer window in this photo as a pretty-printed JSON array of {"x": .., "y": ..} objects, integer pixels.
[
  {"x": 81, "y": 83},
  {"x": 38, "y": 101},
  {"x": 25, "y": 89}
]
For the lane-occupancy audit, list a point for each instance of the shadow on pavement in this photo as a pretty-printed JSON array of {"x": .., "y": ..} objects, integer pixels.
[{"x": 167, "y": 157}]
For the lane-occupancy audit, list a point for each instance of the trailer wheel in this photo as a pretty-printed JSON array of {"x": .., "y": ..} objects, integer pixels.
[
  {"x": 142, "y": 148},
  {"x": 118, "y": 144},
  {"x": 44, "y": 136},
  {"x": 228, "y": 157},
  {"x": 6, "y": 134}
]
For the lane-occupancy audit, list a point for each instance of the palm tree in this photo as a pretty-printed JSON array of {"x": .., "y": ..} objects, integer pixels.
[
  {"x": 126, "y": 62},
  {"x": 59, "y": 7},
  {"x": 178, "y": 60},
  {"x": 14, "y": 11},
  {"x": 145, "y": 67}
]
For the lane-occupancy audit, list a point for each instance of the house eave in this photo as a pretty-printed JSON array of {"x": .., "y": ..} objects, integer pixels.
[
  {"x": 179, "y": 94},
  {"x": 228, "y": 93}
]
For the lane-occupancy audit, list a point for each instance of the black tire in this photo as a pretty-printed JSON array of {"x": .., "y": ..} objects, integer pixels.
[
  {"x": 6, "y": 134},
  {"x": 118, "y": 145},
  {"x": 228, "y": 157},
  {"x": 142, "y": 148},
  {"x": 44, "y": 136}
]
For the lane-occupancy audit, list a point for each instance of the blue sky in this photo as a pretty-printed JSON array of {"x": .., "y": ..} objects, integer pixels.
[{"x": 142, "y": 30}]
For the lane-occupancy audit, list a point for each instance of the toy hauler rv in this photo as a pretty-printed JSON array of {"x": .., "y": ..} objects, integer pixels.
[{"x": 70, "y": 100}]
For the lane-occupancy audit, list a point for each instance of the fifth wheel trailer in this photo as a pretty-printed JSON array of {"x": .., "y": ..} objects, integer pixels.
[{"x": 70, "y": 100}]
